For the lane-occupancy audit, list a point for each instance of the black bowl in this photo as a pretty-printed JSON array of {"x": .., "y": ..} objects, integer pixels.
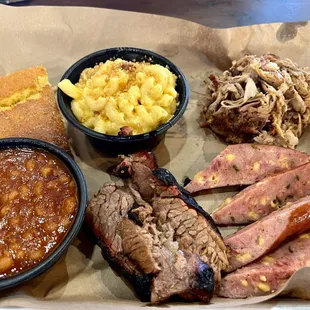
[
  {"x": 76, "y": 225},
  {"x": 116, "y": 144}
]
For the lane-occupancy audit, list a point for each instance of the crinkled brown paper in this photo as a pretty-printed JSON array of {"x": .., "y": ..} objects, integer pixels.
[{"x": 56, "y": 38}]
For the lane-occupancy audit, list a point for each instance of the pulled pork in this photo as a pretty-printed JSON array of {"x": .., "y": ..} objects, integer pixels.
[{"x": 262, "y": 99}]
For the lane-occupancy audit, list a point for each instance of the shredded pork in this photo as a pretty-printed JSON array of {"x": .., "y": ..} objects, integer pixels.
[{"x": 263, "y": 99}]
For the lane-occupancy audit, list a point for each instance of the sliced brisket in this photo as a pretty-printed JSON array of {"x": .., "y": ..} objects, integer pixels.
[
  {"x": 174, "y": 206},
  {"x": 148, "y": 257},
  {"x": 104, "y": 215},
  {"x": 155, "y": 235}
]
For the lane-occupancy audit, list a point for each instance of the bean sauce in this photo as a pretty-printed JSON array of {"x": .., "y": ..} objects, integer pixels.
[{"x": 38, "y": 203}]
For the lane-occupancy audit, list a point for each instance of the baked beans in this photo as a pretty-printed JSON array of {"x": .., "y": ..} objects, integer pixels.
[{"x": 38, "y": 203}]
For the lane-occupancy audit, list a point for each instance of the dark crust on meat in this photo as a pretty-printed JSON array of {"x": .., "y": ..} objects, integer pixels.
[
  {"x": 190, "y": 276},
  {"x": 146, "y": 158},
  {"x": 205, "y": 282},
  {"x": 133, "y": 216},
  {"x": 121, "y": 265},
  {"x": 169, "y": 180},
  {"x": 140, "y": 282},
  {"x": 202, "y": 288},
  {"x": 205, "y": 277},
  {"x": 125, "y": 131},
  {"x": 152, "y": 160},
  {"x": 186, "y": 181}
]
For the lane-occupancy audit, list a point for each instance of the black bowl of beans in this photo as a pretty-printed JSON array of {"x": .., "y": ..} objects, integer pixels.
[
  {"x": 43, "y": 197},
  {"x": 123, "y": 99}
]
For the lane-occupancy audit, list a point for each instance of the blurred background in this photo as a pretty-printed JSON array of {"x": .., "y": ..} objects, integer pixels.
[{"x": 212, "y": 13}]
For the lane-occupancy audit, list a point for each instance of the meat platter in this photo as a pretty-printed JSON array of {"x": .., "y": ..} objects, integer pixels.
[{"x": 186, "y": 150}]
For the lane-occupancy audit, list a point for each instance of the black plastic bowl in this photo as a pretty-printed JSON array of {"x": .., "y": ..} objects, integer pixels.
[
  {"x": 116, "y": 144},
  {"x": 76, "y": 225}
]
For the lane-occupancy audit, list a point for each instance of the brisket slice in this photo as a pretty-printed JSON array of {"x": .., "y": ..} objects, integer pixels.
[
  {"x": 192, "y": 232},
  {"x": 104, "y": 215},
  {"x": 175, "y": 272},
  {"x": 148, "y": 257},
  {"x": 194, "y": 229}
]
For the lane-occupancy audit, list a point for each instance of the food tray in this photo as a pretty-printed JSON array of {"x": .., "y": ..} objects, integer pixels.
[{"x": 57, "y": 37}]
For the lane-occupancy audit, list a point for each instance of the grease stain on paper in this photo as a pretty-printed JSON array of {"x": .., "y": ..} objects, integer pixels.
[
  {"x": 288, "y": 31},
  {"x": 168, "y": 50}
]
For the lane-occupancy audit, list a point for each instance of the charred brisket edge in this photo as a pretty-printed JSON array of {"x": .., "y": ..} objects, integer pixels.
[
  {"x": 121, "y": 172},
  {"x": 133, "y": 216},
  {"x": 140, "y": 282},
  {"x": 168, "y": 179},
  {"x": 126, "y": 174},
  {"x": 154, "y": 159},
  {"x": 204, "y": 282},
  {"x": 149, "y": 154},
  {"x": 186, "y": 181},
  {"x": 205, "y": 277}
]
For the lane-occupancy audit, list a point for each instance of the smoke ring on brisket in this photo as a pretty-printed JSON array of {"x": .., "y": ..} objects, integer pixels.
[{"x": 155, "y": 235}]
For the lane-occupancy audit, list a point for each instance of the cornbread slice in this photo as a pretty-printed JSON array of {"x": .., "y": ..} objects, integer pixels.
[{"x": 28, "y": 108}]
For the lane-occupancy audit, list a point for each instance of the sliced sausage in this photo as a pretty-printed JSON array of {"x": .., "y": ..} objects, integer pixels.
[
  {"x": 269, "y": 273},
  {"x": 264, "y": 197},
  {"x": 255, "y": 240},
  {"x": 245, "y": 164}
]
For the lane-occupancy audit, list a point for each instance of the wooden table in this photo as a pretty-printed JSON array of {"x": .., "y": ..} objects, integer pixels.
[{"x": 212, "y": 13}]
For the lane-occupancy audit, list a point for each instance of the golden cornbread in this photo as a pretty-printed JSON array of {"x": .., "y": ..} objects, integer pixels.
[
  {"x": 28, "y": 108},
  {"x": 118, "y": 94},
  {"x": 20, "y": 85}
]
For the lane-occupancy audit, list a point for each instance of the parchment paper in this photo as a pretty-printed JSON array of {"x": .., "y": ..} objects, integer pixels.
[{"x": 56, "y": 38}]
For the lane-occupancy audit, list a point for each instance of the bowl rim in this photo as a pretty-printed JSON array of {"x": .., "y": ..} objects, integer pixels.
[
  {"x": 77, "y": 174},
  {"x": 125, "y": 139}
]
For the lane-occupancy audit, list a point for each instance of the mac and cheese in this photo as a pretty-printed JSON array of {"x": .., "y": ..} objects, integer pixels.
[{"x": 119, "y": 93}]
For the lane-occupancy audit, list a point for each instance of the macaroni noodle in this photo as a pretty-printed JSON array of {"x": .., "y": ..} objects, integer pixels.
[{"x": 119, "y": 93}]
